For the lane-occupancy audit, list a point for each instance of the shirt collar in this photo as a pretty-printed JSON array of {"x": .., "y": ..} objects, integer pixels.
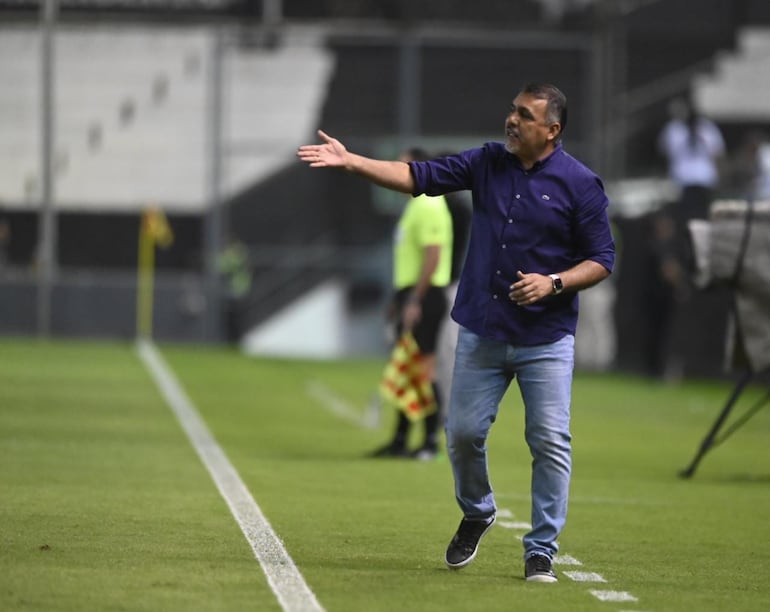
[{"x": 539, "y": 163}]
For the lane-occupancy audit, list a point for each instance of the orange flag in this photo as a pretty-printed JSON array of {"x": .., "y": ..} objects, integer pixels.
[{"x": 403, "y": 383}]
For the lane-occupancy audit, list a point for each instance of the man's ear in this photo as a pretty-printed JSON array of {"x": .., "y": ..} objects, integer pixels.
[{"x": 553, "y": 131}]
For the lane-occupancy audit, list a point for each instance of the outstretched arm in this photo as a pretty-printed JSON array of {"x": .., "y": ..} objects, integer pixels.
[{"x": 394, "y": 175}]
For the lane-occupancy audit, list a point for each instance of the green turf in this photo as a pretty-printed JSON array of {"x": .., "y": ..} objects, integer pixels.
[{"x": 105, "y": 505}]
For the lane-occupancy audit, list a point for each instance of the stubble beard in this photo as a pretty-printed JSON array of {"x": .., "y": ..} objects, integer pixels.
[{"x": 511, "y": 142}]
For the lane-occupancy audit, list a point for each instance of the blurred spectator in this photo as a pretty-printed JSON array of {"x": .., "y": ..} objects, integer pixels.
[
  {"x": 694, "y": 149},
  {"x": 233, "y": 265},
  {"x": 667, "y": 290},
  {"x": 422, "y": 261}
]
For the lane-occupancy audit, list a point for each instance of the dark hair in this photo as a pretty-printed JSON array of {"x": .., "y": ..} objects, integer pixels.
[{"x": 557, "y": 101}]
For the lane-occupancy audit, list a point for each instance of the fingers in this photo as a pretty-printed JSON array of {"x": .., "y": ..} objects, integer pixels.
[
  {"x": 522, "y": 297},
  {"x": 308, "y": 154},
  {"x": 324, "y": 136},
  {"x": 314, "y": 149},
  {"x": 320, "y": 155},
  {"x": 307, "y": 150},
  {"x": 526, "y": 290},
  {"x": 518, "y": 285}
]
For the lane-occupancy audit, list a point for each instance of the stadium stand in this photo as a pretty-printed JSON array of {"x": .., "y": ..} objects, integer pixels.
[
  {"x": 741, "y": 70},
  {"x": 132, "y": 114}
]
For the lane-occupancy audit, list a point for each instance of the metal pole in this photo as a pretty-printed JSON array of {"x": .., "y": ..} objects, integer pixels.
[
  {"x": 214, "y": 224},
  {"x": 46, "y": 247},
  {"x": 598, "y": 88},
  {"x": 620, "y": 85},
  {"x": 409, "y": 98}
]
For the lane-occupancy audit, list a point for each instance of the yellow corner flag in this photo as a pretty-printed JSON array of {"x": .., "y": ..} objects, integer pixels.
[
  {"x": 155, "y": 225},
  {"x": 154, "y": 231},
  {"x": 403, "y": 382}
]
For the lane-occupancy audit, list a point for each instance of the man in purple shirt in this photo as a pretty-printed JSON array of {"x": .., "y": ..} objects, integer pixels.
[{"x": 540, "y": 233}]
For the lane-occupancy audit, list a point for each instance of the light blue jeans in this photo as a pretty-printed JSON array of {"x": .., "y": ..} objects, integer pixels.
[{"x": 483, "y": 372}]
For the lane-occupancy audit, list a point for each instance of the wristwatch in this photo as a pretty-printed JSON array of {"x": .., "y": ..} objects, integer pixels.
[{"x": 558, "y": 286}]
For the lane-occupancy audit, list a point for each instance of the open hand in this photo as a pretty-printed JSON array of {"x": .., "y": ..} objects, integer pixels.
[{"x": 332, "y": 153}]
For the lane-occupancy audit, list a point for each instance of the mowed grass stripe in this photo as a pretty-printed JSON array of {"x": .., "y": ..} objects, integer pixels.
[
  {"x": 103, "y": 503},
  {"x": 285, "y": 579}
]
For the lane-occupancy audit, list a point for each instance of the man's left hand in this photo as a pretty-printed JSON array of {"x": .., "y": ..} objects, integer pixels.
[{"x": 530, "y": 288}]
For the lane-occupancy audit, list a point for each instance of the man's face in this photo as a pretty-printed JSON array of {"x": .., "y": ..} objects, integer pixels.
[{"x": 528, "y": 133}]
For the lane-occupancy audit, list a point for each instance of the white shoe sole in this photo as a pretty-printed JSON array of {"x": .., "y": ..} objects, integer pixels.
[{"x": 542, "y": 578}]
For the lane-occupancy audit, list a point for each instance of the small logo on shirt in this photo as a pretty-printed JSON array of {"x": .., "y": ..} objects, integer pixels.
[{"x": 545, "y": 196}]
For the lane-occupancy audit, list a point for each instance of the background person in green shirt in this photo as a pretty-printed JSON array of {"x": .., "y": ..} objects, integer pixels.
[
  {"x": 233, "y": 266},
  {"x": 422, "y": 267}
]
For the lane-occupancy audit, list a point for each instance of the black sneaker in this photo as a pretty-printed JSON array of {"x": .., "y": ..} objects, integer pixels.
[
  {"x": 538, "y": 568},
  {"x": 390, "y": 450},
  {"x": 464, "y": 546}
]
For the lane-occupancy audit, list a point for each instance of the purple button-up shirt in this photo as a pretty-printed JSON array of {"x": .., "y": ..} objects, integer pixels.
[{"x": 545, "y": 220}]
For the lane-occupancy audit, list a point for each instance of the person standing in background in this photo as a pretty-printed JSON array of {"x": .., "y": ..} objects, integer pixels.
[
  {"x": 234, "y": 266},
  {"x": 422, "y": 264},
  {"x": 694, "y": 149}
]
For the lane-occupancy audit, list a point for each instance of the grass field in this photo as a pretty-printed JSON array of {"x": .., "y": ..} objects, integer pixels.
[{"x": 104, "y": 504}]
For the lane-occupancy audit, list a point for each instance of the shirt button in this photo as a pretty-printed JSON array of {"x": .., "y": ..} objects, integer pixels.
[
  {"x": 503, "y": 246},
  {"x": 510, "y": 220},
  {"x": 494, "y": 297},
  {"x": 498, "y": 272},
  {"x": 518, "y": 196}
]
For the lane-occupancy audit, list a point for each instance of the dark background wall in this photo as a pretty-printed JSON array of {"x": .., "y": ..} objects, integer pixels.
[{"x": 464, "y": 92}]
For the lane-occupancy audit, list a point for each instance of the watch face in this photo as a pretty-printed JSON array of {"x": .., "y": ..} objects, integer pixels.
[{"x": 557, "y": 284}]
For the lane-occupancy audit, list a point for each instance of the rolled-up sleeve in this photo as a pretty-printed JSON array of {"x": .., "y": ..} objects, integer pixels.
[
  {"x": 443, "y": 174},
  {"x": 594, "y": 233}
]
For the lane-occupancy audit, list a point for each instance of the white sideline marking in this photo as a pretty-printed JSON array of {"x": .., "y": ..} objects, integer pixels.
[
  {"x": 339, "y": 407},
  {"x": 284, "y": 578},
  {"x": 505, "y": 513},
  {"x": 613, "y": 596},
  {"x": 569, "y": 560},
  {"x": 565, "y": 560},
  {"x": 585, "y": 576},
  {"x": 514, "y": 525}
]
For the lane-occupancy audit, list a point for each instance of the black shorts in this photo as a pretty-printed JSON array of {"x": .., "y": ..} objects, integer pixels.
[{"x": 434, "y": 309}]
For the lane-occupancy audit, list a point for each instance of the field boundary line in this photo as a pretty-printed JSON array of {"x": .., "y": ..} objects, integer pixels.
[
  {"x": 335, "y": 405},
  {"x": 282, "y": 574}
]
